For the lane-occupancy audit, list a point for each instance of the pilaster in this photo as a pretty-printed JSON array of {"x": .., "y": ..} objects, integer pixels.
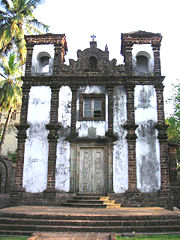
[
  {"x": 131, "y": 138},
  {"x": 53, "y": 128},
  {"x": 157, "y": 61},
  {"x": 128, "y": 59},
  {"x": 22, "y": 128},
  {"x": 29, "y": 59},
  {"x": 57, "y": 58},
  {"x": 110, "y": 109},
  {"x": 73, "y": 110}
]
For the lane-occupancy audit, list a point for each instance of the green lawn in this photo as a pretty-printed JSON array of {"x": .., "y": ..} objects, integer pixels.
[
  {"x": 148, "y": 237},
  {"x": 13, "y": 238}
]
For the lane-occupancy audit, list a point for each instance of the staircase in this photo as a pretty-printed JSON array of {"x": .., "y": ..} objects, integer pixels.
[
  {"x": 91, "y": 201},
  {"x": 26, "y": 224}
]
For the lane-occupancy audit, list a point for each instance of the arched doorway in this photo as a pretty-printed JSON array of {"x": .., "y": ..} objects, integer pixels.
[{"x": 3, "y": 176}]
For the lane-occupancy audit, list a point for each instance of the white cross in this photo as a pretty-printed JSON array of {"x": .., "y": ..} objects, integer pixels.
[{"x": 93, "y": 37}]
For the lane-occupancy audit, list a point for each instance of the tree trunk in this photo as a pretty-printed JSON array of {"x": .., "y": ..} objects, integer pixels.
[{"x": 5, "y": 129}]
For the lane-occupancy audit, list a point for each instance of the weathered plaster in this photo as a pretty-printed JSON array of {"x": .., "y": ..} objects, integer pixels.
[
  {"x": 64, "y": 111},
  {"x": 147, "y": 144},
  {"x": 120, "y": 152},
  {"x": 100, "y": 127},
  {"x": 63, "y": 147},
  {"x": 63, "y": 165},
  {"x": 42, "y": 48},
  {"x": 36, "y": 147}
]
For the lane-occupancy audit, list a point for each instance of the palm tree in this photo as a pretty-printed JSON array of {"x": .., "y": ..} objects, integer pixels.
[
  {"x": 10, "y": 90},
  {"x": 16, "y": 20}
]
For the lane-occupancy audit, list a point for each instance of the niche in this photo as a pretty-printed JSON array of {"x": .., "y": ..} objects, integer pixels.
[
  {"x": 143, "y": 63},
  {"x": 93, "y": 64},
  {"x": 43, "y": 63}
]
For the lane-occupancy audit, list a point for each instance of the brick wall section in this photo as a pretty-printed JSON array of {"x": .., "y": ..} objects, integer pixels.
[
  {"x": 157, "y": 63},
  {"x": 174, "y": 181},
  {"x": 52, "y": 138},
  {"x": 110, "y": 109},
  {"x": 131, "y": 138},
  {"x": 22, "y": 128},
  {"x": 160, "y": 103},
  {"x": 73, "y": 110},
  {"x": 29, "y": 59},
  {"x": 128, "y": 59},
  {"x": 57, "y": 59}
]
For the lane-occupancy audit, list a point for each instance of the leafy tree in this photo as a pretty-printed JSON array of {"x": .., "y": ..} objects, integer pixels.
[
  {"x": 10, "y": 90},
  {"x": 174, "y": 120},
  {"x": 16, "y": 20}
]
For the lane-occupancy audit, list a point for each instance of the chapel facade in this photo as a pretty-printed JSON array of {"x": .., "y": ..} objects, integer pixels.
[{"x": 93, "y": 127}]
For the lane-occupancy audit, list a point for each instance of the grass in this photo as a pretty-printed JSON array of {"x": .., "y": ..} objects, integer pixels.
[
  {"x": 12, "y": 238},
  {"x": 150, "y": 237}
]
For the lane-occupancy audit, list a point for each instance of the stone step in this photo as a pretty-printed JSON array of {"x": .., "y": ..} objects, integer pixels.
[
  {"x": 91, "y": 201},
  {"x": 93, "y": 197},
  {"x": 24, "y": 221},
  {"x": 87, "y": 201},
  {"x": 85, "y": 205},
  {"x": 85, "y": 216},
  {"x": 119, "y": 229}
]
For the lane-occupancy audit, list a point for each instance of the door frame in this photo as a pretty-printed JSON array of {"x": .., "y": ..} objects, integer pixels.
[{"x": 75, "y": 164}]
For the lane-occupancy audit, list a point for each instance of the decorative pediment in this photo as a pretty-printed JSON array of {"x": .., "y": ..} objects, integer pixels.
[{"x": 93, "y": 61}]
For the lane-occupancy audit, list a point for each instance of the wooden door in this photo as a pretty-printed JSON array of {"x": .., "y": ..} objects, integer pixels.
[{"x": 92, "y": 168}]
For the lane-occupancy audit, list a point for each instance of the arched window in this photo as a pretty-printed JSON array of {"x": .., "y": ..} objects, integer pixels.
[
  {"x": 142, "y": 63},
  {"x": 43, "y": 62},
  {"x": 93, "y": 64}
]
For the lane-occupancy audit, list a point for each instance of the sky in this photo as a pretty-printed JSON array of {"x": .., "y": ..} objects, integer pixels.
[{"x": 107, "y": 19}]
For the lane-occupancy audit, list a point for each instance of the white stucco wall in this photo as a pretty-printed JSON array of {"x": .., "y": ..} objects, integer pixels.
[
  {"x": 47, "y": 48},
  {"x": 63, "y": 165},
  {"x": 36, "y": 147},
  {"x": 147, "y": 144},
  {"x": 120, "y": 153},
  {"x": 100, "y": 126},
  {"x": 62, "y": 180}
]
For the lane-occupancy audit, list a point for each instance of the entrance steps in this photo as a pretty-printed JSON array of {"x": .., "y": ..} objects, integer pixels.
[
  {"x": 91, "y": 201},
  {"x": 56, "y": 219}
]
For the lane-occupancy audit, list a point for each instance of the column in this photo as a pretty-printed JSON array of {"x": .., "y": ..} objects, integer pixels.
[
  {"x": 110, "y": 109},
  {"x": 128, "y": 59},
  {"x": 157, "y": 62},
  {"x": 131, "y": 138},
  {"x": 52, "y": 138},
  {"x": 57, "y": 59},
  {"x": 162, "y": 136},
  {"x": 22, "y": 128},
  {"x": 29, "y": 59},
  {"x": 73, "y": 110}
]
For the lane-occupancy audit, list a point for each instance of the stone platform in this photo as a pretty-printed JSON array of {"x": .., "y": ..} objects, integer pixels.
[{"x": 90, "y": 223}]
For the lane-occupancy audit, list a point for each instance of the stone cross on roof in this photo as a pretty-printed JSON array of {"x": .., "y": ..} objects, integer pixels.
[{"x": 93, "y": 37}]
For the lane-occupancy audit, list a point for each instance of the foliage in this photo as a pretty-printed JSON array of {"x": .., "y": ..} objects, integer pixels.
[
  {"x": 10, "y": 83},
  {"x": 13, "y": 238},
  {"x": 16, "y": 20},
  {"x": 174, "y": 120},
  {"x": 10, "y": 90},
  {"x": 12, "y": 156},
  {"x": 150, "y": 237}
]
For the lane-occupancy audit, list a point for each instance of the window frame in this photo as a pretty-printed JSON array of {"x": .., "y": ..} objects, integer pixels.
[{"x": 91, "y": 96}]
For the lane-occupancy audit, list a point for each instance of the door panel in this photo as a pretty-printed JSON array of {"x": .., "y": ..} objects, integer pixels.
[{"x": 91, "y": 175}]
